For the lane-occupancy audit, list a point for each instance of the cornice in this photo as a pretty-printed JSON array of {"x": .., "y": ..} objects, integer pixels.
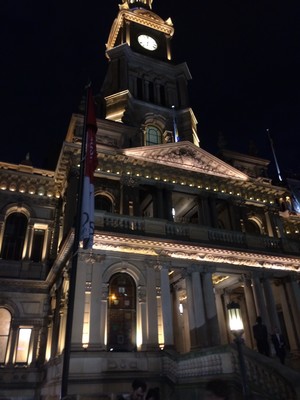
[
  {"x": 171, "y": 250},
  {"x": 28, "y": 181}
]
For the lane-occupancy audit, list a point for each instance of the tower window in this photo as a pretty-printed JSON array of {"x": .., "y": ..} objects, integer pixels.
[{"x": 153, "y": 136}]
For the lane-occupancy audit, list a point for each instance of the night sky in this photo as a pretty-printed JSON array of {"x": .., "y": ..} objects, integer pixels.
[{"x": 244, "y": 58}]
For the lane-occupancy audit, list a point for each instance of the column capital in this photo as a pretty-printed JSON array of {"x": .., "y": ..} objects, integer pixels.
[
  {"x": 89, "y": 257},
  {"x": 130, "y": 181},
  {"x": 162, "y": 266}
]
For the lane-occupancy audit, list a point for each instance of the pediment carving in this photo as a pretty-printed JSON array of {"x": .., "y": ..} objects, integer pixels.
[{"x": 185, "y": 155}]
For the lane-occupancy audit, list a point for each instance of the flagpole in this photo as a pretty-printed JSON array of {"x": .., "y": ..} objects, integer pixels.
[
  {"x": 175, "y": 133},
  {"x": 274, "y": 155},
  {"x": 73, "y": 271}
]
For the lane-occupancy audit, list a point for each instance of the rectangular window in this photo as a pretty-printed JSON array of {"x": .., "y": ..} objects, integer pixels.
[
  {"x": 3, "y": 348},
  {"x": 37, "y": 245},
  {"x": 23, "y": 345},
  {"x": 5, "y": 320}
]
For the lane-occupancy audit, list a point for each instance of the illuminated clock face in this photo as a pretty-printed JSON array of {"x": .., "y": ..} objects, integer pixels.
[{"x": 147, "y": 42}]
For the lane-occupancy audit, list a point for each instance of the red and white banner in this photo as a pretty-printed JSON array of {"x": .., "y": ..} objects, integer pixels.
[{"x": 90, "y": 164}]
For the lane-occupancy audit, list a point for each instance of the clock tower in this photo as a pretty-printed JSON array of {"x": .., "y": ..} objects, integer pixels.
[{"x": 143, "y": 87}]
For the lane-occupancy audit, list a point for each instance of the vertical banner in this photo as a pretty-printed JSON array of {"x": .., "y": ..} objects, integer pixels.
[{"x": 90, "y": 164}]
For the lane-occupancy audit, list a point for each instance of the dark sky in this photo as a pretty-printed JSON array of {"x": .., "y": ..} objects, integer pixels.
[{"x": 244, "y": 58}]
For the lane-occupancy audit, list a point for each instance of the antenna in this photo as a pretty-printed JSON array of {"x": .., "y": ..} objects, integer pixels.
[{"x": 274, "y": 155}]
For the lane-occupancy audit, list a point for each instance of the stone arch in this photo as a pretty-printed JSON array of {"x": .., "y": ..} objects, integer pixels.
[
  {"x": 126, "y": 267},
  {"x": 254, "y": 225},
  {"x": 106, "y": 196}
]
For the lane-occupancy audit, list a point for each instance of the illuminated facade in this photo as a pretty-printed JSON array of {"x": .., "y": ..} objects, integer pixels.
[{"x": 179, "y": 234}]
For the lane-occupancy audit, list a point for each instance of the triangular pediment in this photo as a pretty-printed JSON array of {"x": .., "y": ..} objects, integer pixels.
[{"x": 185, "y": 155}]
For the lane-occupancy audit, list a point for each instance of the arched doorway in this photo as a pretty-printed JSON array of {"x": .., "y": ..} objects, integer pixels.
[{"x": 121, "y": 335}]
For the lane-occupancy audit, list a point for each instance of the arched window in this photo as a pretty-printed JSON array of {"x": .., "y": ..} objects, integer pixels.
[
  {"x": 14, "y": 236},
  {"x": 103, "y": 203},
  {"x": 153, "y": 136},
  {"x": 5, "y": 324},
  {"x": 121, "y": 313},
  {"x": 252, "y": 227}
]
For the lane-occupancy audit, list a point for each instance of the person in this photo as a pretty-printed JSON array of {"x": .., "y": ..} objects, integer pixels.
[
  {"x": 216, "y": 389},
  {"x": 260, "y": 334},
  {"x": 153, "y": 394},
  {"x": 279, "y": 344},
  {"x": 139, "y": 388}
]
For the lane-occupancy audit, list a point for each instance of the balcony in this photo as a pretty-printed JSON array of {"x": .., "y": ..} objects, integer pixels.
[{"x": 193, "y": 233}]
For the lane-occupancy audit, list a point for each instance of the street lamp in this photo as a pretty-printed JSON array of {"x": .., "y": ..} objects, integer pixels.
[{"x": 236, "y": 327}]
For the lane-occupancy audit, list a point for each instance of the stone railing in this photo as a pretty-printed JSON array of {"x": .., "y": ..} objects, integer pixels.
[
  {"x": 267, "y": 378},
  {"x": 191, "y": 232}
]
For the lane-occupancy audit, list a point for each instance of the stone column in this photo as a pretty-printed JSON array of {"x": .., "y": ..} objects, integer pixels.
[
  {"x": 159, "y": 203},
  {"x": 259, "y": 298},
  {"x": 129, "y": 195},
  {"x": 250, "y": 305},
  {"x": 271, "y": 306},
  {"x": 213, "y": 211},
  {"x": 221, "y": 318},
  {"x": 79, "y": 301},
  {"x": 199, "y": 311},
  {"x": 293, "y": 295},
  {"x": 142, "y": 325},
  {"x": 58, "y": 303},
  {"x": 152, "y": 319},
  {"x": 204, "y": 211},
  {"x": 269, "y": 223},
  {"x": 13, "y": 343},
  {"x": 190, "y": 310},
  {"x": 28, "y": 243},
  {"x": 34, "y": 345},
  {"x": 287, "y": 313},
  {"x": 227, "y": 300},
  {"x": 234, "y": 213},
  {"x": 95, "y": 310},
  {"x": 104, "y": 290},
  {"x": 63, "y": 312},
  {"x": 166, "y": 307},
  {"x": 168, "y": 204},
  {"x": 211, "y": 310},
  {"x": 278, "y": 225}
]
